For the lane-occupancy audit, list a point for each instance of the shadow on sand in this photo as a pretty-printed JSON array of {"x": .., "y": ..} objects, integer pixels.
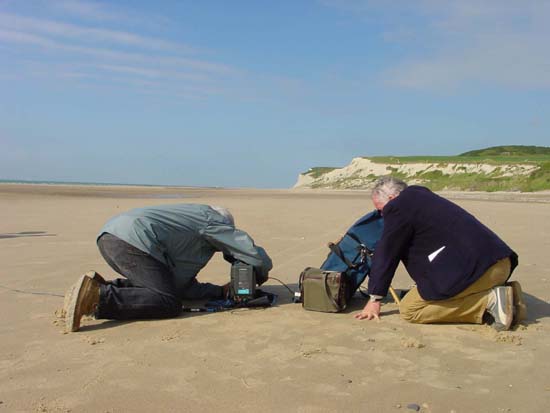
[
  {"x": 283, "y": 297},
  {"x": 105, "y": 324},
  {"x": 537, "y": 309},
  {"x": 26, "y": 234}
]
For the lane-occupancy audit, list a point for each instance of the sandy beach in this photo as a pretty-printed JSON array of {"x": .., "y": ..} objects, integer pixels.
[{"x": 281, "y": 359}]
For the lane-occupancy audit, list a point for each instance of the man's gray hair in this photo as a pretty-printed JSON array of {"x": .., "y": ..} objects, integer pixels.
[
  {"x": 387, "y": 186},
  {"x": 224, "y": 212}
]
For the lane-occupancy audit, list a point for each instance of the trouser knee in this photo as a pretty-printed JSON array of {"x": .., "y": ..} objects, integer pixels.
[
  {"x": 411, "y": 306},
  {"x": 408, "y": 314}
]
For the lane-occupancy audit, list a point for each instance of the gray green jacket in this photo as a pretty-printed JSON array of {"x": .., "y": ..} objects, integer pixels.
[{"x": 185, "y": 237}]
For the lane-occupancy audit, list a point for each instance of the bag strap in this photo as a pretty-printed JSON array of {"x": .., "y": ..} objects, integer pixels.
[
  {"x": 364, "y": 252},
  {"x": 338, "y": 251},
  {"x": 354, "y": 237},
  {"x": 301, "y": 279},
  {"x": 327, "y": 290}
]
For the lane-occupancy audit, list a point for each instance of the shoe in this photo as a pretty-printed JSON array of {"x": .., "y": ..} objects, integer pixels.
[
  {"x": 83, "y": 300},
  {"x": 67, "y": 298},
  {"x": 520, "y": 308},
  {"x": 96, "y": 277},
  {"x": 501, "y": 307},
  {"x": 66, "y": 301}
]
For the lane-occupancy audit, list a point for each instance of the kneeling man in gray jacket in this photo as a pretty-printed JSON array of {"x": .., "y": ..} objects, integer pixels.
[{"x": 160, "y": 250}]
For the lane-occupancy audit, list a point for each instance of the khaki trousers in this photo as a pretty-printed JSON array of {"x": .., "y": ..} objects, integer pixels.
[{"x": 465, "y": 307}]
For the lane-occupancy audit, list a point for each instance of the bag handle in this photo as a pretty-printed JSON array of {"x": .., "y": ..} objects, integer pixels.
[
  {"x": 362, "y": 246},
  {"x": 364, "y": 251},
  {"x": 338, "y": 251}
]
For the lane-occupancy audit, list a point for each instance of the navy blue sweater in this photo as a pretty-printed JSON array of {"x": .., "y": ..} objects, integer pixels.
[{"x": 444, "y": 248}]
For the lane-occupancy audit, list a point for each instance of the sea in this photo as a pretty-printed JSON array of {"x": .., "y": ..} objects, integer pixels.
[{"x": 174, "y": 191}]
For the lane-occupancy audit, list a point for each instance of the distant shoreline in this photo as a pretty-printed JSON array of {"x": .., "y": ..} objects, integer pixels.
[
  {"x": 135, "y": 191},
  {"x": 100, "y": 184},
  {"x": 102, "y": 190}
]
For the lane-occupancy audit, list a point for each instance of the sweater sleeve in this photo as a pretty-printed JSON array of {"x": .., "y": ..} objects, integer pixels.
[
  {"x": 395, "y": 238},
  {"x": 239, "y": 245}
]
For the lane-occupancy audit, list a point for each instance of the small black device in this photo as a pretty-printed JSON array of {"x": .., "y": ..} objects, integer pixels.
[{"x": 243, "y": 281}]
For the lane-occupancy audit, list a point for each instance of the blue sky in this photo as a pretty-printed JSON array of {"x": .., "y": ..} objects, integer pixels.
[{"x": 251, "y": 93}]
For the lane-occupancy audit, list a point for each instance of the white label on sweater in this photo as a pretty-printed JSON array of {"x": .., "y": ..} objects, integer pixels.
[{"x": 434, "y": 254}]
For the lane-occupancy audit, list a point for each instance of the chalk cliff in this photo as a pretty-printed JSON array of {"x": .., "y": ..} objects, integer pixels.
[{"x": 362, "y": 172}]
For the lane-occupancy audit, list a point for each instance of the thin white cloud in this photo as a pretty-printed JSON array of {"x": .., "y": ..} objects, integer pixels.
[
  {"x": 68, "y": 74},
  {"x": 83, "y": 56},
  {"x": 513, "y": 61},
  {"x": 459, "y": 43},
  {"x": 153, "y": 73},
  {"x": 177, "y": 77},
  {"x": 17, "y": 37},
  {"x": 86, "y": 34},
  {"x": 87, "y": 9},
  {"x": 156, "y": 87},
  {"x": 355, "y": 6},
  {"x": 105, "y": 11},
  {"x": 112, "y": 80}
]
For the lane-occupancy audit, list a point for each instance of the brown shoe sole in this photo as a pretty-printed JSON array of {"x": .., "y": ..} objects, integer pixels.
[
  {"x": 94, "y": 276},
  {"x": 66, "y": 301},
  {"x": 77, "y": 302},
  {"x": 520, "y": 308}
]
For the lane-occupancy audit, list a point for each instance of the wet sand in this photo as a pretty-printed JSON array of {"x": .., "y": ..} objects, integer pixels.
[{"x": 278, "y": 359}]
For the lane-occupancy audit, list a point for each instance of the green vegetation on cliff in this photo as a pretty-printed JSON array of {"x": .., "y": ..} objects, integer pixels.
[
  {"x": 492, "y": 156},
  {"x": 317, "y": 171},
  {"x": 536, "y": 181},
  {"x": 505, "y": 173},
  {"x": 511, "y": 150}
]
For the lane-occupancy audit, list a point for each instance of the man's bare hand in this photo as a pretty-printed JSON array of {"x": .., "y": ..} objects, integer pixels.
[{"x": 370, "y": 312}]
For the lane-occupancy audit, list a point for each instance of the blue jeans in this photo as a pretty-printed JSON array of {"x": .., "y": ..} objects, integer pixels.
[{"x": 148, "y": 289}]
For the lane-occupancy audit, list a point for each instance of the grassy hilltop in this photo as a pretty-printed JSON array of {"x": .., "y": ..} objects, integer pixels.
[{"x": 499, "y": 168}]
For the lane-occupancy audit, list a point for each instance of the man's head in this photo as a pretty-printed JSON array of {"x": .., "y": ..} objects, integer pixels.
[
  {"x": 385, "y": 189},
  {"x": 224, "y": 212}
]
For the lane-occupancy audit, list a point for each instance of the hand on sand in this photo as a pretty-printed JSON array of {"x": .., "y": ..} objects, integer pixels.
[{"x": 370, "y": 312}]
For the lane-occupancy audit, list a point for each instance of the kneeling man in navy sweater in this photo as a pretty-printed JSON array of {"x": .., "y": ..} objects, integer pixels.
[{"x": 460, "y": 266}]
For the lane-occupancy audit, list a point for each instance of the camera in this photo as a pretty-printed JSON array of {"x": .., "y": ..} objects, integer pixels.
[{"x": 243, "y": 281}]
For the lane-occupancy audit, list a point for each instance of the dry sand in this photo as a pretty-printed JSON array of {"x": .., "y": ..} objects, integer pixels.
[{"x": 279, "y": 359}]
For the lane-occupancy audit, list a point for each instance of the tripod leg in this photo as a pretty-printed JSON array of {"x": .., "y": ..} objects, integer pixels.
[{"x": 394, "y": 295}]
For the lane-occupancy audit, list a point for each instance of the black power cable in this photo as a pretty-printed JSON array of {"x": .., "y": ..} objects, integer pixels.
[
  {"x": 15, "y": 290},
  {"x": 286, "y": 286}
]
